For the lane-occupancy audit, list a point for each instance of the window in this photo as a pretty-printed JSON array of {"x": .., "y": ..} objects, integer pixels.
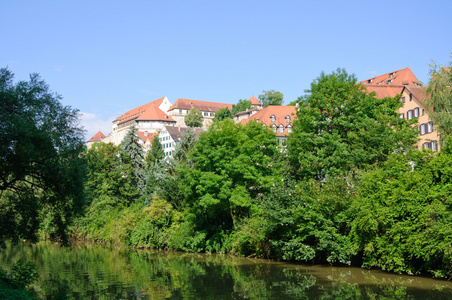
[
  {"x": 391, "y": 75},
  {"x": 434, "y": 146},
  {"x": 211, "y": 114},
  {"x": 416, "y": 112},
  {"x": 274, "y": 128},
  {"x": 289, "y": 129},
  {"x": 422, "y": 128},
  {"x": 402, "y": 116},
  {"x": 402, "y": 99},
  {"x": 287, "y": 119},
  {"x": 369, "y": 81},
  {"x": 180, "y": 111},
  {"x": 423, "y": 111},
  {"x": 273, "y": 118},
  {"x": 411, "y": 97},
  {"x": 409, "y": 114},
  {"x": 281, "y": 129},
  {"x": 430, "y": 126},
  {"x": 430, "y": 145}
]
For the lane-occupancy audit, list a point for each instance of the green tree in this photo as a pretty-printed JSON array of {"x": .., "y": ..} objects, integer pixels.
[
  {"x": 222, "y": 114},
  {"x": 134, "y": 156},
  {"x": 156, "y": 152},
  {"x": 271, "y": 98},
  {"x": 232, "y": 164},
  {"x": 41, "y": 172},
  {"x": 339, "y": 127},
  {"x": 439, "y": 102},
  {"x": 193, "y": 118},
  {"x": 242, "y": 105}
]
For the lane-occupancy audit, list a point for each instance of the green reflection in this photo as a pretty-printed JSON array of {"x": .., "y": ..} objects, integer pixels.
[{"x": 92, "y": 271}]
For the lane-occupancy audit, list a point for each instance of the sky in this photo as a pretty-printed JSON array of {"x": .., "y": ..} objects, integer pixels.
[{"x": 107, "y": 57}]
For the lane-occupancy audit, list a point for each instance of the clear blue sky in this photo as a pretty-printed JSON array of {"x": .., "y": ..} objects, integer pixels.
[{"x": 106, "y": 57}]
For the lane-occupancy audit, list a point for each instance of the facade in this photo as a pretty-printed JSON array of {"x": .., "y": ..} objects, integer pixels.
[
  {"x": 148, "y": 118},
  {"x": 171, "y": 135},
  {"x": 181, "y": 107},
  {"x": 278, "y": 118},
  {"x": 404, "y": 82}
]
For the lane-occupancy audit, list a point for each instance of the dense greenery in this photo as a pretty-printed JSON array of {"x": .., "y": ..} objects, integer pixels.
[
  {"x": 222, "y": 114},
  {"x": 241, "y": 105},
  {"x": 193, "y": 118},
  {"x": 271, "y": 98},
  {"x": 41, "y": 172}
]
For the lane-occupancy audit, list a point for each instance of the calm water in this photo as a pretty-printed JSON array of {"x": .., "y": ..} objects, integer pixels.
[{"x": 90, "y": 271}]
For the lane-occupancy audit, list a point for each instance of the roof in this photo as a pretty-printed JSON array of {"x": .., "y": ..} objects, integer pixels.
[
  {"x": 198, "y": 104},
  {"x": 254, "y": 101},
  {"x": 97, "y": 137},
  {"x": 149, "y": 137},
  {"x": 383, "y": 91},
  {"x": 399, "y": 77},
  {"x": 418, "y": 93},
  {"x": 176, "y": 132},
  {"x": 149, "y": 112},
  {"x": 280, "y": 113}
]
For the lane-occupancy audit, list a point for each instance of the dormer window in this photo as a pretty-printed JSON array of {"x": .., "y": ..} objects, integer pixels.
[
  {"x": 273, "y": 118},
  {"x": 369, "y": 81},
  {"x": 289, "y": 129},
  {"x": 391, "y": 75},
  {"x": 274, "y": 128},
  {"x": 281, "y": 129},
  {"x": 287, "y": 119}
]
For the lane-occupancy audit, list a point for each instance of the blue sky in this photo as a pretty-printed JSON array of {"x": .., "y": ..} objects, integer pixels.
[{"x": 107, "y": 57}]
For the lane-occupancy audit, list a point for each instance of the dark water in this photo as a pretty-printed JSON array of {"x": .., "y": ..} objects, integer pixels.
[{"x": 90, "y": 271}]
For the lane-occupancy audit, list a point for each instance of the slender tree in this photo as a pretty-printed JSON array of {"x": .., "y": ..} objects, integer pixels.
[
  {"x": 156, "y": 152},
  {"x": 134, "y": 154}
]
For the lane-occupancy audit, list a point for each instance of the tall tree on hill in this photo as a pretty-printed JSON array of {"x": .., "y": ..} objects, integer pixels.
[
  {"x": 339, "y": 127},
  {"x": 440, "y": 99},
  {"x": 135, "y": 157},
  {"x": 222, "y": 114},
  {"x": 41, "y": 171},
  {"x": 271, "y": 98},
  {"x": 156, "y": 152},
  {"x": 193, "y": 118},
  {"x": 242, "y": 105}
]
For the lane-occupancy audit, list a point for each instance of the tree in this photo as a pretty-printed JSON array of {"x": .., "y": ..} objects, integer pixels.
[
  {"x": 339, "y": 127},
  {"x": 156, "y": 152},
  {"x": 222, "y": 114},
  {"x": 242, "y": 105},
  {"x": 193, "y": 118},
  {"x": 271, "y": 98},
  {"x": 439, "y": 102},
  {"x": 41, "y": 172},
  {"x": 134, "y": 156}
]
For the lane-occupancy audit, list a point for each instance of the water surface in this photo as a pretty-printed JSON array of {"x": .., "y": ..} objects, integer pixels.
[{"x": 92, "y": 271}]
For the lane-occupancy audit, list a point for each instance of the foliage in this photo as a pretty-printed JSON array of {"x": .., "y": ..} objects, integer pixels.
[
  {"x": 271, "y": 98},
  {"x": 232, "y": 164},
  {"x": 13, "y": 285},
  {"x": 41, "y": 172},
  {"x": 156, "y": 152},
  {"x": 222, "y": 114},
  {"x": 134, "y": 156},
  {"x": 404, "y": 215},
  {"x": 339, "y": 127},
  {"x": 242, "y": 105},
  {"x": 193, "y": 118},
  {"x": 439, "y": 101}
]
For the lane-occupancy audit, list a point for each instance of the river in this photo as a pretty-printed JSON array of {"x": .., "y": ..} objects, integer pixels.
[{"x": 92, "y": 271}]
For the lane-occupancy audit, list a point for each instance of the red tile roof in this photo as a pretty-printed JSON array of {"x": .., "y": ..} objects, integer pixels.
[
  {"x": 145, "y": 138},
  {"x": 399, "y": 77},
  {"x": 255, "y": 101},
  {"x": 97, "y": 137},
  {"x": 280, "y": 113},
  {"x": 201, "y": 105},
  {"x": 149, "y": 111},
  {"x": 383, "y": 91},
  {"x": 418, "y": 93}
]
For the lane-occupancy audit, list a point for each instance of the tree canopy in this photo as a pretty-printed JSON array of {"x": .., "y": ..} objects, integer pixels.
[
  {"x": 340, "y": 127},
  {"x": 40, "y": 170},
  {"x": 156, "y": 152},
  {"x": 222, "y": 114},
  {"x": 193, "y": 118},
  {"x": 271, "y": 98}
]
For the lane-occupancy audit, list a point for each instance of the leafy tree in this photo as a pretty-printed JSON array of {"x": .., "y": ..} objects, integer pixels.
[
  {"x": 232, "y": 164},
  {"x": 440, "y": 99},
  {"x": 134, "y": 156},
  {"x": 156, "y": 152},
  {"x": 242, "y": 105},
  {"x": 339, "y": 127},
  {"x": 193, "y": 118},
  {"x": 41, "y": 172},
  {"x": 222, "y": 114},
  {"x": 271, "y": 98}
]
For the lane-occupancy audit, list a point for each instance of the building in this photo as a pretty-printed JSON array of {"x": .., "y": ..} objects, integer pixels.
[
  {"x": 412, "y": 95},
  {"x": 278, "y": 118},
  {"x": 97, "y": 138},
  {"x": 148, "y": 118},
  {"x": 181, "y": 107},
  {"x": 170, "y": 136},
  {"x": 256, "y": 106}
]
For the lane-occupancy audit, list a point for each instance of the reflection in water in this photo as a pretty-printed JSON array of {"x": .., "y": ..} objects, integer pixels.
[{"x": 90, "y": 271}]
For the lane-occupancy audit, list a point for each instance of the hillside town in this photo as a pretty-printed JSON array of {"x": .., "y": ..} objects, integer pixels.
[{"x": 163, "y": 120}]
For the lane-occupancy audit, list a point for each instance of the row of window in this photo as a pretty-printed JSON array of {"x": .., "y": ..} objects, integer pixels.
[
  {"x": 431, "y": 145},
  {"x": 167, "y": 145},
  {"x": 273, "y": 119},
  {"x": 168, "y": 153},
  {"x": 425, "y": 128},
  {"x": 281, "y": 128},
  {"x": 165, "y": 138},
  {"x": 203, "y": 113}
]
